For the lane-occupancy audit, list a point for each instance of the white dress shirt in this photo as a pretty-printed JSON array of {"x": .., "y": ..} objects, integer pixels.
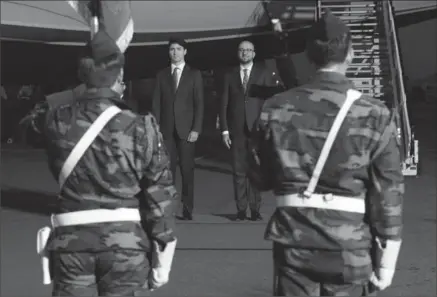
[
  {"x": 181, "y": 68},
  {"x": 249, "y": 70}
]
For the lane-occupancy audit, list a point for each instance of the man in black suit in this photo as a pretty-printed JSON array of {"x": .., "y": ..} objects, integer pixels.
[
  {"x": 239, "y": 109},
  {"x": 178, "y": 107}
]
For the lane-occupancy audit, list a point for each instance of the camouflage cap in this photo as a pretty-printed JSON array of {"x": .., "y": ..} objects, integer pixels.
[
  {"x": 328, "y": 27},
  {"x": 102, "y": 62}
]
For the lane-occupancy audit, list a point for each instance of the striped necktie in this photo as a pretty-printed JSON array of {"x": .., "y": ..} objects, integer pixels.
[{"x": 245, "y": 78}]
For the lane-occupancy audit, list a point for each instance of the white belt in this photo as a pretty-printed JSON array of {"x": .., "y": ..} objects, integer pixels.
[
  {"x": 95, "y": 216},
  {"x": 324, "y": 201},
  {"x": 79, "y": 218}
]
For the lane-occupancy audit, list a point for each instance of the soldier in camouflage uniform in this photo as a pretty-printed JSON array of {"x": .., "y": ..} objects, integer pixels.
[
  {"x": 326, "y": 248},
  {"x": 127, "y": 167}
]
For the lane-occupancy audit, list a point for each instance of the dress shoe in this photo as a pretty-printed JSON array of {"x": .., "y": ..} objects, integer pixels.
[
  {"x": 187, "y": 216},
  {"x": 241, "y": 216},
  {"x": 255, "y": 216}
]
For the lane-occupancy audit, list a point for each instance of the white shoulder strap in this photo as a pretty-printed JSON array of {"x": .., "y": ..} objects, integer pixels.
[
  {"x": 351, "y": 97},
  {"x": 86, "y": 140}
]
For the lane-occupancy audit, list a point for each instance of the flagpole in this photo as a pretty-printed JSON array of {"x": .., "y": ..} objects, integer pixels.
[
  {"x": 94, "y": 25},
  {"x": 96, "y": 10}
]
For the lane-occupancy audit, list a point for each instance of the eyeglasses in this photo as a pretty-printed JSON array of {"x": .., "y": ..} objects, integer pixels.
[{"x": 247, "y": 50}]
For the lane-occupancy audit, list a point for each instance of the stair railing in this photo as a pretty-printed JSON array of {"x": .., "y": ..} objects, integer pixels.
[{"x": 400, "y": 98}]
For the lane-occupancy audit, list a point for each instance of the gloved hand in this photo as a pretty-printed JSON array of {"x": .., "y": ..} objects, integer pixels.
[
  {"x": 277, "y": 26},
  {"x": 161, "y": 264},
  {"x": 382, "y": 278},
  {"x": 387, "y": 255}
]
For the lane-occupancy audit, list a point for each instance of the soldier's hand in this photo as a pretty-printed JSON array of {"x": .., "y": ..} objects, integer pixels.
[
  {"x": 193, "y": 136},
  {"x": 161, "y": 264},
  {"x": 382, "y": 278},
  {"x": 277, "y": 26},
  {"x": 227, "y": 140}
]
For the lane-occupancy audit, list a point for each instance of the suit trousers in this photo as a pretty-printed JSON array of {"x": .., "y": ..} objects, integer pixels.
[
  {"x": 245, "y": 192},
  {"x": 182, "y": 152},
  {"x": 304, "y": 272}
]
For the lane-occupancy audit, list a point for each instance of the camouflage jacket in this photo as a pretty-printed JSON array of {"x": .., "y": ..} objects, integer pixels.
[
  {"x": 126, "y": 166},
  {"x": 364, "y": 162}
]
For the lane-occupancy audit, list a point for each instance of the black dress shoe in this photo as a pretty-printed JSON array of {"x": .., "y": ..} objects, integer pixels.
[
  {"x": 188, "y": 216},
  {"x": 241, "y": 216},
  {"x": 255, "y": 216}
]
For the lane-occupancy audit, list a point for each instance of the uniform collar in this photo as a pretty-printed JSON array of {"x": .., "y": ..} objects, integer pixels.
[
  {"x": 333, "y": 80},
  {"x": 103, "y": 93}
]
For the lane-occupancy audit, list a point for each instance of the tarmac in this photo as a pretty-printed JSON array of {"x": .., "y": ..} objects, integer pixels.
[{"x": 216, "y": 256}]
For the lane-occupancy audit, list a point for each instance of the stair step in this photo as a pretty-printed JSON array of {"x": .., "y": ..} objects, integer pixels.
[
  {"x": 364, "y": 64},
  {"x": 361, "y": 24},
  {"x": 368, "y": 44},
  {"x": 374, "y": 80},
  {"x": 368, "y": 82},
  {"x": 351, "y": 11},
  {"x": 363, "y": 31},
  {"x": 344, "y": 16},
  {"x": 353, "y": 18},
  {"x": 372, "y": 57},
  {"x": 348, "y": 6},
  {"x": 367, "y": 78},
  {"x": 369, "y": 32},
  {"x": 369, "y": 37}
]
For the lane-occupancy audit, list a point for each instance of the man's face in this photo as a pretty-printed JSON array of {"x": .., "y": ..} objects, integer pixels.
[
  {"x": 177, "y": 53},
  {"x": 246, "y": 52}
]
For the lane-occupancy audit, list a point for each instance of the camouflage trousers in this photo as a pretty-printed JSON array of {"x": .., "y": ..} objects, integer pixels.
[
  {"x": 109, "y": 273},
  {"x": 300, "y": 272}
]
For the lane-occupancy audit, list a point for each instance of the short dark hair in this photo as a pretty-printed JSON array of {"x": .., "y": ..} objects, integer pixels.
[
  {"x": 177, "y": 40},
  {"x": 333, "y": 51}
]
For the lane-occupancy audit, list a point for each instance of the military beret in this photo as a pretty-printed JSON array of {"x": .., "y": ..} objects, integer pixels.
[
  {"x": 328, "y": 27},
  {"x": 102, "y": 61},
  {"x": 103, "y": 47}
]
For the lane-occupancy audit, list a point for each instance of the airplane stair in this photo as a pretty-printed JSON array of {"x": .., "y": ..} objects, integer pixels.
[{"x": 377, "y": 69}]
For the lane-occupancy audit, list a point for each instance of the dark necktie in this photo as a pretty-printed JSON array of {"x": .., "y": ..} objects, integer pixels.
[
  {"x": 175, "y": 78},
  {"x": 245, "y": 78}
]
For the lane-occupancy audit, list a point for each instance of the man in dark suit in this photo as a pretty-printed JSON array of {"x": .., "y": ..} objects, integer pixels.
[
  {"x": 240, "y": 106},
  {"x": 178, "y": 107}
]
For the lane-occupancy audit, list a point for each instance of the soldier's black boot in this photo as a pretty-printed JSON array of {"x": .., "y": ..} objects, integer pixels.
[
  {"x": 187, "y": 215},
  {"x": 241, "y": 216},
  {"x": 255, "y": 216}
]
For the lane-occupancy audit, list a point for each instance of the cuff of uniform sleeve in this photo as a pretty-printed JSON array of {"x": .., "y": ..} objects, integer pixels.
[{"x": 389, "y": 252}]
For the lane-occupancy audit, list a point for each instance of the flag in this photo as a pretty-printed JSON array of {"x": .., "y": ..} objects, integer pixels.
[{"x": 116, "y": 17}]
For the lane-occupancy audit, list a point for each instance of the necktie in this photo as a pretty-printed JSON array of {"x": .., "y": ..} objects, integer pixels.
[
  {"x": 175, "y": 78},
  {"x": 245, "y": 78}
]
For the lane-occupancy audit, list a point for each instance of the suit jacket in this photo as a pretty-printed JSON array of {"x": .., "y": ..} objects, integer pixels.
[
  {"x": 239, "y": 107},
  {"x": 181, "y": 109}
]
